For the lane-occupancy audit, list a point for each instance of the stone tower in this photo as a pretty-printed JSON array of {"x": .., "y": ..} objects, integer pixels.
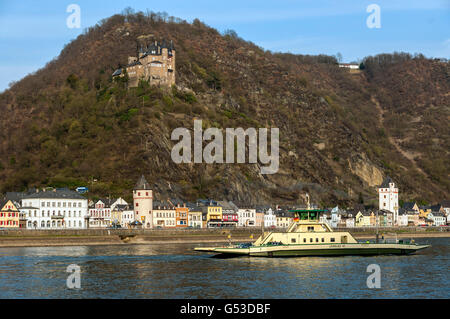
[
  {"x": 388, "y": 197},
  {"x": 143, "y": 202}
]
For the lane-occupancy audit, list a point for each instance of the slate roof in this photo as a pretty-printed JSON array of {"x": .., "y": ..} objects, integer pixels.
[
  {"x": 386, "y": 182},
  {"x": 162, "y": 205},
  {"x": 408, "y": 205},
  {"x": 284, "y": 213},
  {"x": 142, "y": 184},
  {"x": 438, "y": 214},
  {"x": 134, "y": 63},
  {"x": 59, "y": 193},
  {"x": 117, "y": 72},
  {"x": 435, "y": 208},
  {"x": 225, "y": 205},
  {"x": 107, "y": 201}
]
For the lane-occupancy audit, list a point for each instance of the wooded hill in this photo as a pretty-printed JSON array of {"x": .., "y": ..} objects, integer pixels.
[{"x": 340, "y": 133}]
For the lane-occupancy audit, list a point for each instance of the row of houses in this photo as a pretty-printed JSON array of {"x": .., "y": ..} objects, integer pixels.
[
  {"x": 410, "y": 214},
  {"x": 66, "y": 209}
]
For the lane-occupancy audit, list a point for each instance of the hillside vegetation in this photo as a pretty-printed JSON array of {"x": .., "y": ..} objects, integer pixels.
[{"x": 70, "y": 123}]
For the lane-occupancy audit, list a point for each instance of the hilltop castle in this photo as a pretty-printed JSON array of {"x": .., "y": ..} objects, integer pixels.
[{"x": 154, "y": 63}]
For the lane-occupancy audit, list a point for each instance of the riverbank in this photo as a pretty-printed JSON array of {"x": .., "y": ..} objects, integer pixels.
[{"x": 97, "y": 237}]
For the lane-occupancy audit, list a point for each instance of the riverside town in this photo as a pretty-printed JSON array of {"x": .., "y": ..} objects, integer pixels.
[{"x": 63, "y": 208}]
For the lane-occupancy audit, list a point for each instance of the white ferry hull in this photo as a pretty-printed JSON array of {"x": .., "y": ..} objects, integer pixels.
[{"x": 359, "y": 249}]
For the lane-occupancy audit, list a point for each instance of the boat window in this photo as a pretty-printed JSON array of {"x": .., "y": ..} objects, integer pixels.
[
  {"x": 304, "y": 240},
  {"x": 310, "y": 240},
  {"x": 293, "y": 240},
  {"x": 332, "y": 240},
  {"x": 323, "y": 240},
  {"x": 317, "y": 240},
  {"x": 310, "y": 228}
]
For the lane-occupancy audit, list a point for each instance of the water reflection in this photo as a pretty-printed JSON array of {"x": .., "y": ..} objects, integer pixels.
[{"x": 176, "y": 271}]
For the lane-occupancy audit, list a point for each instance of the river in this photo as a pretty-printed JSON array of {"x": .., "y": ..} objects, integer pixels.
[{"x": 176, "y": 271}]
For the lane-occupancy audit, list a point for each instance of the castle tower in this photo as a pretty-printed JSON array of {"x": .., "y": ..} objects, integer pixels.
[
  {"x": 143, "y": 202},
  {"x": 388, "y": 197},
  {"x": 171, "y": 64}
]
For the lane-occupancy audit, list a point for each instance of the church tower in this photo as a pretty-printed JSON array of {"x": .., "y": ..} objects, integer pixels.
[
  {"x": 143, "y": 202},
  {"x": 388, "y": 197}
]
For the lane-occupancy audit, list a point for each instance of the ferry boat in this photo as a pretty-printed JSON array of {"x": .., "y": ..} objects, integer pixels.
[{"x": 307, "y": 236}]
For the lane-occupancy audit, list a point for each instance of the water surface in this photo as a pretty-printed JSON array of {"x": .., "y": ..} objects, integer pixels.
[{"x": 176, "y": 271}]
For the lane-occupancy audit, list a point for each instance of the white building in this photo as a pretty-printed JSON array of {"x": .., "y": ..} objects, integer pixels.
[
  {"x": 100, "y": 213},
  {"x": 127, "y": 216},
  {"x": 352, "y": 66},
  {"x": 388, "y": 198},
  {"x": 143, "y": 203},
  {"x": 438, "y": 218},
  {"x": 335, "y": 217},
  {"x": 402, "y": 220},
  {"x": 270, "y": 219},
  {"x": 246, "y": 217},
  {"x": 55, "y": 209},
  {"x": 350, "y": 222},
  {"x": 164, "y": 215}
]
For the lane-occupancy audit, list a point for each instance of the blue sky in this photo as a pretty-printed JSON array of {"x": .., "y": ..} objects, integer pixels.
[{"x": 34, "y": 32}]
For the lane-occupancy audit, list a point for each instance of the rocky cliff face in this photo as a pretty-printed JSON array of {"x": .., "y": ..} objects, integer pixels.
[{"x": 340, "y": 133}]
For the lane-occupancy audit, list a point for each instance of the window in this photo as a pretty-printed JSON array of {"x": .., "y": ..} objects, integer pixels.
[
  {"x": 293, "y": 240},
  {"x": 323, "y": 240},
  {"x": 317, "y": 240},
  {"x": 332, "y": 240},
  {"x": 310, "y": 240}
]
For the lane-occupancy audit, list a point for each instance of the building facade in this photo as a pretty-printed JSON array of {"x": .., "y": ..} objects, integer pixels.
[
  {"x": 195, "y": 218},
  {"x": 9, "y": 215},
  {"x": 388, "y": 197},
  {"x": 164, "y": 215},
  {"x": 270, "y": 220},
  {"x": 143, "y": 203},
  {"x": 247, "y": 217},
  {"x": 55, "y": 209}
]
